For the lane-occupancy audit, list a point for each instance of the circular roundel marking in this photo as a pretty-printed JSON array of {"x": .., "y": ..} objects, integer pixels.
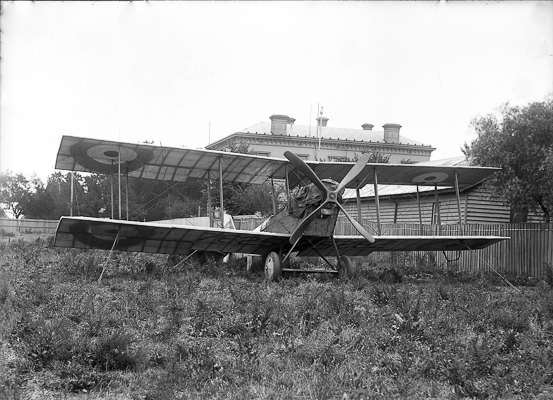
[
  {"x": 432, "y": 177},
  {"x": 109, "y": 158},
  {"x": 109, "y": 232},
  {"x": 108, "y": 153},
  {"x": 101, "y": 235}
]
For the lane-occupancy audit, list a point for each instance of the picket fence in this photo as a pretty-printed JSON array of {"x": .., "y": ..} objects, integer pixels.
[
  {"x": 528, "y": 252},
  {"x": 16, "y": 226}
]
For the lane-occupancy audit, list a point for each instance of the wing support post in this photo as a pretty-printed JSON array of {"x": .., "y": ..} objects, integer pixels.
[
  {"x": 439, "y": 217},
  {"x": 377, "y": 203},
  {"x": 420, "y": 212},
  {"x": 274, "y": 198},
  {"x": 358, "y": 195},
  {"x": 222, "y": 209},
  {"x": 458, "y": 196},
  {"x": 209, "y": 214},
  {"x": 119, "y": 177}
]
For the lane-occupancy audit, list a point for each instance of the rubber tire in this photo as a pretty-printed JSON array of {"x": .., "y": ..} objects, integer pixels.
[
  {"x": 273, "y": 269},
  {"x": 345, "y": 269}
]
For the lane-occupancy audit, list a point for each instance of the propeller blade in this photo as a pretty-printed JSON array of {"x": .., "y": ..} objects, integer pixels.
[
  {"x": 357, "y": 225},
  {"x": 306, "y": 170},
  {"x": 304, "y": 224},
  {"x": 354, "y": 171}
]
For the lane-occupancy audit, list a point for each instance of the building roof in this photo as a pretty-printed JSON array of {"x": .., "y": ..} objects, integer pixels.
[
  {"x": 330, "y": 132},
  {"x": 449, "y": 162}
]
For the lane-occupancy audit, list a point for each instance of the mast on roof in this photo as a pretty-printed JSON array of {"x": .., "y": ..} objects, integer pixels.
[{"x": 319, "y": 125}]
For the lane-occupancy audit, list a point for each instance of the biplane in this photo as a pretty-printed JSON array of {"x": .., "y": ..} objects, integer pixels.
[{"x": 303, "y": 226}]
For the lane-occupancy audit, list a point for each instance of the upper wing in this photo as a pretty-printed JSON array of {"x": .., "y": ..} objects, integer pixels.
[
  {"x": 94, "y": 233},
  {"x": 178, "y": 164},
  {"x": 405, "y": 174},
  {"x": 164, "y": 163},
  {"x": 358, "y": 246}
]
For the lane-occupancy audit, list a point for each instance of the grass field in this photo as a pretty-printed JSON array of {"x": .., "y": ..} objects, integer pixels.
[{"x": 151, "y": 330}]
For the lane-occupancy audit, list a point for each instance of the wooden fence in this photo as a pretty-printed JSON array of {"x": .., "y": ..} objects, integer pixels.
[
  {"x": 28, "y": 226},
  {"x": 528, "y": 252}
]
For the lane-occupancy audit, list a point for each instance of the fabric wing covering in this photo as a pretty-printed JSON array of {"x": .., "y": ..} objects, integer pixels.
[
  {"x": 178, "y": 164},
  {"x": 93, "y": 233}
]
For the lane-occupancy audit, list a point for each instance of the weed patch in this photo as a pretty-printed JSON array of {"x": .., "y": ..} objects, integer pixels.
[{"x": 161, "y": 329}]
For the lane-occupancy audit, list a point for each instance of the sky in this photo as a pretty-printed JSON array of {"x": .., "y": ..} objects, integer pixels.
[{"x": 187, "y": 73}]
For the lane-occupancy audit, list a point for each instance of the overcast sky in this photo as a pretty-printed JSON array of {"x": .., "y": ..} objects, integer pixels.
[{"x": 174, "y": 71}]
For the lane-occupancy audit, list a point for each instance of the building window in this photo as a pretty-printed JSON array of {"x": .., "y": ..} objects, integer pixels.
[
  {"x": 338, "y": 159},
  {"x": 261, "y": 153},
  {"x": 303, "y": 156}
]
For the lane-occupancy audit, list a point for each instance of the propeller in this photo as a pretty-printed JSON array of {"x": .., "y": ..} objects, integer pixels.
[{"x": 331, "y": 196}]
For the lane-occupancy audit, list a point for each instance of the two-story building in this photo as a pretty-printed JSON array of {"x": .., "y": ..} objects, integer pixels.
[{"x": 326, "y": 143}]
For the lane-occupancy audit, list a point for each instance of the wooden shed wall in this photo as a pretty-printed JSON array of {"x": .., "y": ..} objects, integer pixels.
[{"x": 476, "y": 208}]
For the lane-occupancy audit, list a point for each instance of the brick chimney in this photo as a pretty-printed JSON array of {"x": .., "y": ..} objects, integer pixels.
[
  {"x": 278, "y": 124},
  {"x": 367, "y": 127},
  {"x": 391, "y": 133},
  {"x": 322, "y": 121}
]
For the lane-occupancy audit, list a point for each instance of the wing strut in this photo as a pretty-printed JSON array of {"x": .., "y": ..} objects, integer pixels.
[
  {"x": 222, "y": 209},
  {"x": 377, "y": 203},
  {"x": 458, "y": 203},
  {"x": 420, "y": 212},
  {"x": 119, "y": 177},
  {"x": 439, "y": 217}
]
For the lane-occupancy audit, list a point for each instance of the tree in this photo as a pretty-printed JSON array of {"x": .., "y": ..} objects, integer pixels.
[
  {"x": 39, "y": 203},
  {"x": 244, "y": 198},
  {"x": 520, "y": 142},
  {"x": 14, "y": 193}
]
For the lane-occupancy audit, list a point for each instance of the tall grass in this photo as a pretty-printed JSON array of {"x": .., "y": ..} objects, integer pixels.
[{"x": 158, "y": 330}]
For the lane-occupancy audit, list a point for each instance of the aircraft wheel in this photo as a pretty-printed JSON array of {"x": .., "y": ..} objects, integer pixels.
[
  {"x": 346, "y": 267},
  {"x": 272, "y": 267}
]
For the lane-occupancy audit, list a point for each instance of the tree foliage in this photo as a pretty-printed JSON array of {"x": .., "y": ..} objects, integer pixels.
[
  {"x": 520, "y": 142},
  {"x": 243, "y": 198},
  {"x": 14, "y": 193}
]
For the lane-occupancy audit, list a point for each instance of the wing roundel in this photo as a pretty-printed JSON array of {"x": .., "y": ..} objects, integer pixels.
[
  {"x": 106, "y": 157},
  {"x": 99, "y": 235}
]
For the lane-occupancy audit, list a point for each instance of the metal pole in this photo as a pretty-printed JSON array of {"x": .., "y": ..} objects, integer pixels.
[
  {"x": 420, "y": 212},
  {"x": 119, "y": 176},
  {"x": 377, "y": 203},
  {"x": 222, "y": 213},
  {"x": 438, "y": 209},
  {"x": 274, "y": 199},
  {"x": 71, "y": 210},
  {"x": 287, "y": 183},
  {"x": 357, "y": 192},
  {"x": 209, "y": 199},
  {"x": 127, "y": 190},
  {"x": 458, "y": 203},
  {"x": 111, "y": 185}
]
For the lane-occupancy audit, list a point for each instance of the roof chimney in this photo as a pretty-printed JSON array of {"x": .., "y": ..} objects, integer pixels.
[
  {"x": 367, "y": 127},
  {"x": 391, "y": 133},
  {"x": 322, "y": 121},
  {"x": 278, "y": 124}
]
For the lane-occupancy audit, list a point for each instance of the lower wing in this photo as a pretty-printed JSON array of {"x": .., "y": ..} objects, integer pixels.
[
  {"x": 105, "y": 234},
  {"x": 358, "y": 246}
]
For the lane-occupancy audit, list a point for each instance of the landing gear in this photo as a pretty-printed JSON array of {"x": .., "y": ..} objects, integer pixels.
[
  {"x": 345, "y": 267},
  {"x": 273, "y": 270}
]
